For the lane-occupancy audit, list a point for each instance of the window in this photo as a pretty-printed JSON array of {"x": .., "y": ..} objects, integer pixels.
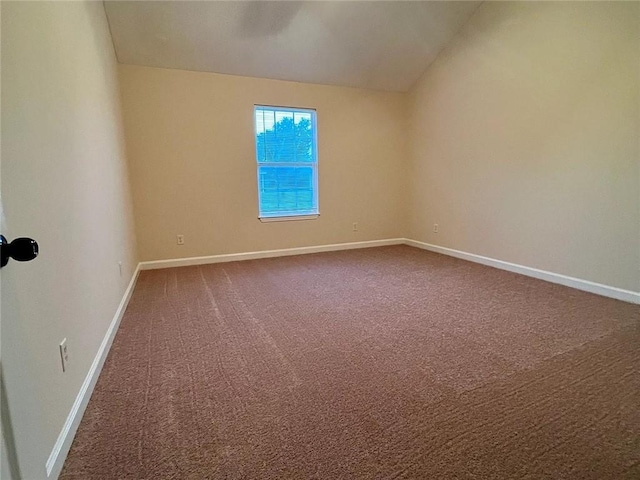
[{"x": 287, "y": 163}]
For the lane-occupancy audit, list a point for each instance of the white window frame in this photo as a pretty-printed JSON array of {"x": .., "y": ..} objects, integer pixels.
[{"x": 294, "y": 215}]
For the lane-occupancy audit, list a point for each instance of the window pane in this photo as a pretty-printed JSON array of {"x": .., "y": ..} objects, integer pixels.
[
  {"x": 286, "y": 189},
  {"x": 285, "y": 142},
  {"x": 283, "y": 136}
]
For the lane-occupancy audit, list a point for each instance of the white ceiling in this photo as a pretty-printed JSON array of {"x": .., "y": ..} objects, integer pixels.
[{"x": 379, "y": 45}]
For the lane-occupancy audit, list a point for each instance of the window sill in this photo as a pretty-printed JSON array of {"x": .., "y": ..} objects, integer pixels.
[{"x": 289, "y": 218}]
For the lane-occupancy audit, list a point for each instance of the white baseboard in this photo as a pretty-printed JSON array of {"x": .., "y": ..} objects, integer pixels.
[
  {"x": 234, "y": 257},
  {"x": 63, "y": 443},
  {"x": 585, "y": 285}
]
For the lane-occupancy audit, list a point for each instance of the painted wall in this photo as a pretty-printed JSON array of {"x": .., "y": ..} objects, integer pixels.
[
  {"x": 524, "y": 140},
  {"x": 191, "y": 147},
  {"x": 64, "y": 183}
]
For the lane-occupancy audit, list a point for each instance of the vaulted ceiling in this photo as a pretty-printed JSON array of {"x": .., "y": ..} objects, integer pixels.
[{"x": 378, "y": 45}]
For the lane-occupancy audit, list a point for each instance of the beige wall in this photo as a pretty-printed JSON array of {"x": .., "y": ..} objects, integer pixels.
[
  {"x": 522, "y": 146},
  {"x": 525, "y": 140},
  {"x": 64, "y": 182},
  {"x": 191, "y": 147}
]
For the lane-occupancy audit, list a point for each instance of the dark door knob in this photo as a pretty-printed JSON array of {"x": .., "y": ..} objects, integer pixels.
[{"x": 21, "y": 249}]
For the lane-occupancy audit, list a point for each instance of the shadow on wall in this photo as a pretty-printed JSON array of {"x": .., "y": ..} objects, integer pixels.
[{"x": 8, "y": 439}]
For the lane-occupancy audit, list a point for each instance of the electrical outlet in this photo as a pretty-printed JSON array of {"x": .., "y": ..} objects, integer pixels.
[
  {"x": 180, "y": 239},
  {"x": 120, "y": 267},
  {"x": 355, "y": 226},
  {"x": 64, "y": 354},
  {"x": 435, "y": 228}
]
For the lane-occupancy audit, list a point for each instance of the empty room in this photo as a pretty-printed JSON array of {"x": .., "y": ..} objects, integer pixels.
[{"x": 320, "y": 240}]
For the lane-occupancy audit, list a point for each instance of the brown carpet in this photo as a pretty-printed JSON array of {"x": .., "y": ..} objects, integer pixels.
[{"x": 387, "y": 363}]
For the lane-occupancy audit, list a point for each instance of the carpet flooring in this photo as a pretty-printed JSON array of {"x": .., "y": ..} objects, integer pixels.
[{"x": 385, "y": 363}]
